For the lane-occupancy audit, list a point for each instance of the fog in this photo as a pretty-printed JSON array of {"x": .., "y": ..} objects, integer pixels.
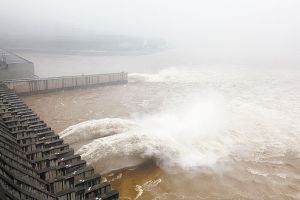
[
  {"x": 254, "y": 28},
  {"x": 212, "y": 95}
]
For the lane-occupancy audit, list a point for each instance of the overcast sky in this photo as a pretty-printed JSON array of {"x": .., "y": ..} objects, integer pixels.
[{"x": 209, "y": 22}]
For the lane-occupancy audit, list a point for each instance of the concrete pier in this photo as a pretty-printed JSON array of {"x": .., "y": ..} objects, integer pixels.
[
  {"x": 42, "y": 85},
  {"x": 35, "y": 163}
]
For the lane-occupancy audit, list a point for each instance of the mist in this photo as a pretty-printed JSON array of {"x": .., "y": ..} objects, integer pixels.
[
  {"x": 233, "y": 29},
  {"x": 166, "y": 99}
]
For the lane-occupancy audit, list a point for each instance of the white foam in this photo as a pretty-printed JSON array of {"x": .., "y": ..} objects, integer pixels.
[
  {"x": 166, "y": 75},
  {"x": 257, "y": 172},
  {"x": 93, "y": 129},
  {"x": 249, "y": 117},
  {"x": 282, "y": 175},
  {"x": 147, "y": 186},
  {"x": 189, "y": 136}
]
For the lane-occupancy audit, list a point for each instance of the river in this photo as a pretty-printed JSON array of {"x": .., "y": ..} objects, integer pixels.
[{"x": 183, "y": 128}]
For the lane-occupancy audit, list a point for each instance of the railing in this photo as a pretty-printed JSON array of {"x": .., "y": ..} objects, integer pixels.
[{"x": 41, "y": 85}]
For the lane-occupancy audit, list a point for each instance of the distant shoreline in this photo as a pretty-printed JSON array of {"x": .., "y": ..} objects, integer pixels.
[
  {"x": 138, "y": 52},
  {"x": 110, "y": 45}
]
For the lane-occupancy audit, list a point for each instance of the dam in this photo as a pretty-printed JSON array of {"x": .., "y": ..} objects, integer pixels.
[
  {"x": 35, "y": 163},
  {"x": 42, "y": 85}
]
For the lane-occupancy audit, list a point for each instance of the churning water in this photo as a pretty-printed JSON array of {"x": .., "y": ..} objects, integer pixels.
[{"x": 217, "y": 132}]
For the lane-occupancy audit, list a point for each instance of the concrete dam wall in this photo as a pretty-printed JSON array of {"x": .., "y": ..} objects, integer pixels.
[
  {"x": 36, "y": 164},
  {"x": 33, "y": 86}
]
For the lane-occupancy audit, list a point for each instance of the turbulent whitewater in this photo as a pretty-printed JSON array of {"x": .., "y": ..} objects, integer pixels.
[
  {"x": 212, "y": 132},
  {"x": 207, "y": 119}
]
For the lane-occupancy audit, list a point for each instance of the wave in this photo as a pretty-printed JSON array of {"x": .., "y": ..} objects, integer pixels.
[
  {"x": 130, "y": 144},
  {"x": 166, "y": 75},
  {"x": 188, "y": 137},
  {"x": 202, "y": 135},
  {"x": 147, "y": 186},
  {"x": 95, "y": 129},
  {"x": 133, "y": 148},
  {"x": 255, "y": 119},
  {"x": 194, "y": 74},
  {"x": 227, "y": 74}
]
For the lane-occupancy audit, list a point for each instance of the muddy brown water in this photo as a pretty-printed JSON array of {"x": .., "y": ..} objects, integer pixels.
[{"x": 204, "y": 131}]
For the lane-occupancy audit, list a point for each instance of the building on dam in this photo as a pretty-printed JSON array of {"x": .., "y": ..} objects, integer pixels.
[
  {"x": 13, "y": 66},
  {"x": 36, "y": 164}
]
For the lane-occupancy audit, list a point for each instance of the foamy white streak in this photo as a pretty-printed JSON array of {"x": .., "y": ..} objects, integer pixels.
[{"x": 95, "y": 129}]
